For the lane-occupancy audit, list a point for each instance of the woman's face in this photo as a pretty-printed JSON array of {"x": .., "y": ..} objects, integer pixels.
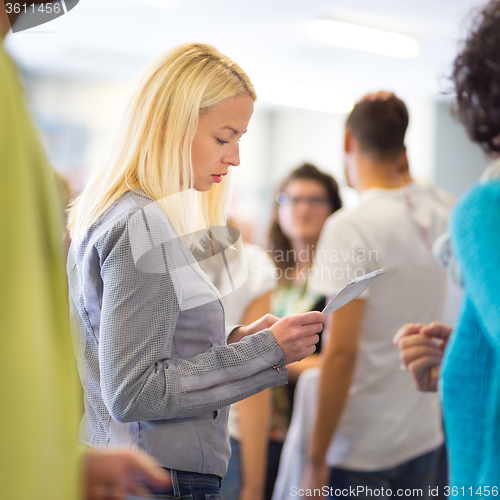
[
  {"x": 306, "y": 209},
  {"x": 215, "y": 146}
]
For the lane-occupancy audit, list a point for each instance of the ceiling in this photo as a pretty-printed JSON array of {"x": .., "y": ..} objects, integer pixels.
[{"x": 116, "y": 39}]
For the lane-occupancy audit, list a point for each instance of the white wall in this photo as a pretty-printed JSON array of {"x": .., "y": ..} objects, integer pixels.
[
  {"x": 458, "y": 162},
  {"x": 94, "y": 105},
  {"x": 420, "y": 141}
]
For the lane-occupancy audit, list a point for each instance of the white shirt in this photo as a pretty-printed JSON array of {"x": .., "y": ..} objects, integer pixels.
[{"x": 385, "y": 421}]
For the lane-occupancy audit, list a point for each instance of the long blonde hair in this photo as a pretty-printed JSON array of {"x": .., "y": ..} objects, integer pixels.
[{"x": 152, "y": 152}]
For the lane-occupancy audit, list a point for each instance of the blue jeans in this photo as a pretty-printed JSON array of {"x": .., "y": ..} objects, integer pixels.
[
  {"x": 412, "y": 479},
  {"x": 190, "y": 486}
]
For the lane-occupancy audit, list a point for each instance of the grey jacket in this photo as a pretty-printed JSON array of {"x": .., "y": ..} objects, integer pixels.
[{"x": 149, "y": 336}]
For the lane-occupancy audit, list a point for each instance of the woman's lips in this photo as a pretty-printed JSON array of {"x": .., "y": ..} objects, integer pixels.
[{"x": 217, "y": 177}]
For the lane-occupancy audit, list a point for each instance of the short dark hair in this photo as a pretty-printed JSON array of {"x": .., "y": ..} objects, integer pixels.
[
  {"x": 277, "y": 241},
  {"x": 380, "y": 126},
  {"x": 476, "y": 77}
]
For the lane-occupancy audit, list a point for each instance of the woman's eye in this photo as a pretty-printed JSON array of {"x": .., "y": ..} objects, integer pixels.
[{"x": 222, "y": 141}]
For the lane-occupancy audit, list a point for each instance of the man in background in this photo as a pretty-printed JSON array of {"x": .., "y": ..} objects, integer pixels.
[{"x": 373, "y": 429}]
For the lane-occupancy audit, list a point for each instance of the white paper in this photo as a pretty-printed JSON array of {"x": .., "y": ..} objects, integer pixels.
[{"x": 352, "y": 290}]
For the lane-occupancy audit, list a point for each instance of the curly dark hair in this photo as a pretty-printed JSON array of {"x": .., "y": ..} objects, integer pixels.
[
  {"x": 277, "y": 241},
  {"x": 476, "y": 77}
]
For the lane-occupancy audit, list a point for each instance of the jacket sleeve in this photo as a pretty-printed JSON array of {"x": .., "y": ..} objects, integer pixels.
[
  {"x": 140, "y": 380},
  {"x": 475, "y": 237}
]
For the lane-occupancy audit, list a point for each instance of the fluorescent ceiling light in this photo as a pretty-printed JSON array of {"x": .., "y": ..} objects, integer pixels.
[
  {"x": 304, "y": 95},
  {"x": 353, "y": 36}
]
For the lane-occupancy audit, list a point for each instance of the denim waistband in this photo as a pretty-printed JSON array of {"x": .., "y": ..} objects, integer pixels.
[
  {"x": 184, "y": 479},
  {"x": 194, "y": 477}
]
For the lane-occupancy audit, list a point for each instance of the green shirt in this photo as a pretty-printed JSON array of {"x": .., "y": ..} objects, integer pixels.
[{"x": 39, "y": 392}]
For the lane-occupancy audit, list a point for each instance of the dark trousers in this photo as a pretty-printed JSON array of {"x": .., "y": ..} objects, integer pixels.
[{"x": 412, "y": 479}]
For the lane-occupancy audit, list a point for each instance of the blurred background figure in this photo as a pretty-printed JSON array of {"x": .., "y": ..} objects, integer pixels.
[
  {"x": 294, "y": 455},
  {"x": 305, "y": 199},
  {"x": 372, "y": 428},
  {"x": 248, "y": 419}
]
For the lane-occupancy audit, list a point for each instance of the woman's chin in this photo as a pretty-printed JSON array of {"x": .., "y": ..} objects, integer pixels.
[{"x": 203, "y": 186}]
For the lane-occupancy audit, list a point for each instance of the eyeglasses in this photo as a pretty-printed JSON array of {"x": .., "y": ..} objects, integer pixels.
[{"x": 294, "y": 201}]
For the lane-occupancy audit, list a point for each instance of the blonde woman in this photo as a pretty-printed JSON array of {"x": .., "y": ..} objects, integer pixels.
[{"x": 149, "y": 325}]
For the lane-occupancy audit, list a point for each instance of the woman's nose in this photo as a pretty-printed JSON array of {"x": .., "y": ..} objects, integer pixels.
[{"x": 234, "y": 156}]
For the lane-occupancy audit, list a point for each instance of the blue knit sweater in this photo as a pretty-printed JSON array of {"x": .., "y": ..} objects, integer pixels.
[{"x": 470, "y": 383}]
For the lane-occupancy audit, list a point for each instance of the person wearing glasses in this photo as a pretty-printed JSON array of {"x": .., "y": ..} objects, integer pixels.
[{"x": 305, "y": 199}]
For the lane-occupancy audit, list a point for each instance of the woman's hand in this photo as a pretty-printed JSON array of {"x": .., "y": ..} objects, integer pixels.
[
  {"x": 421, "y": 349},
  {"x": 297, "y": 335},
  {"x": 266, "y": 321},
  {"x": 257, "y": 326},
  {"x": 116, "y": 474}
]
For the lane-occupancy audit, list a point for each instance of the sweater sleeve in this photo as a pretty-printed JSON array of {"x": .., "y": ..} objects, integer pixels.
[
  {"x": 475, "y": 237},
  {"x": 140, "y": 379}
]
